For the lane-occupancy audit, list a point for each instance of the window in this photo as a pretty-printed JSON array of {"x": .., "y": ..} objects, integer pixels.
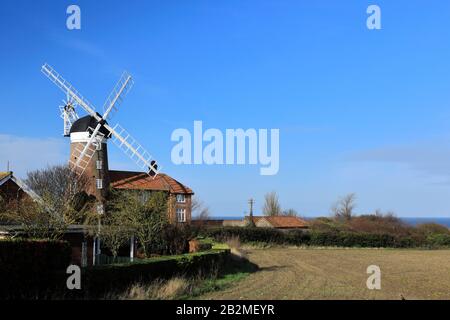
[
  {"x": 99, "y": 183},
  {"x": 99, "y": 164},
  {"x": 98, "y": 146},
  {"x": 181, "y": 215},
  {"x": 100, "y": 208},
  {"x": 181, "y": 198}
]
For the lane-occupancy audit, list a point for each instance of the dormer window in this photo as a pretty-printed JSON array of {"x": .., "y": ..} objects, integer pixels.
[{"x": 181, "y": 198}]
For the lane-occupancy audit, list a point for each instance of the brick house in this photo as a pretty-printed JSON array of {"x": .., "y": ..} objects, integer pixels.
[
  {"x": 179, "y": 194},
  {"x": 84, "y": 246},
  {"x": 13, "y": 189}
]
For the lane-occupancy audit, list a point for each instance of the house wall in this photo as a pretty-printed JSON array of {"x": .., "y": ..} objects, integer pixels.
[
  {"x": 234, "y": 223},
  {"x": 262, "y": 223},
  {"x": 11, "y": 191},
  {"x": 173, "y": 205},
  {"x": 76, "y": 243}
]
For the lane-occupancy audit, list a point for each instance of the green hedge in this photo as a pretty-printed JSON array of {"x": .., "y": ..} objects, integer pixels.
[
  {"x": 32, "y": 268},
  {"x": 268, "y": 235},
  {"x": 99, "y": 280},
  {"x": 438, "y": 240},
  {"x": 325, "y": 239}
]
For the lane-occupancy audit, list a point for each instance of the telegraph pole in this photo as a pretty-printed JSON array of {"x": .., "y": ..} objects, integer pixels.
[{"x": 251, "y": 223}]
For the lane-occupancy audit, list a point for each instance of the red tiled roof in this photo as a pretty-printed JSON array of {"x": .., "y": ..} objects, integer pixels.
[
  {"x": 142, "y": 181},
  {"x": 282, "y": 221}
]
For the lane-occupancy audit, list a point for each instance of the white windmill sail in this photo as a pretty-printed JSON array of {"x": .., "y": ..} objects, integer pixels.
[
  {"x": 120, "y": 136},
  {"x": 134, "y": 150},
  {"x": 68, "y": 114},
  {"x": 116, "y": 96}
]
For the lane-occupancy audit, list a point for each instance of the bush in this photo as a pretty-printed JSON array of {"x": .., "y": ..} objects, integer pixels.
[
  {"x": 325, "y": 239},
  {"x": 96, "y": 281},
  {"x": 248, "y": 234},
  {"x": 432, "y": 228},
  {"x": 32, "y": 268},
  {"x": 438, "y": 240},
  {"x": 175, "y": 239}
]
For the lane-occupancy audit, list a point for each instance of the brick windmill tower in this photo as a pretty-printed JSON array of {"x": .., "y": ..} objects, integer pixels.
[{"x": 89, "y": 135}]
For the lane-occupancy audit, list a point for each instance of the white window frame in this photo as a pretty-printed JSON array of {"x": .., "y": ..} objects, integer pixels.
[
  {"x": 100, "y": 208},
  {"x": 98, "y": 146},
  {"x": 181, "y": 214},
  {"x": 99, "y": 164},
  {"x": 183, "y": 198},
  {"x": 99, "y": 184}
]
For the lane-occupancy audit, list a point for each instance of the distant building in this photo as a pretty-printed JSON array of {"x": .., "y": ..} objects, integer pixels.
[{"x": 279, "y": 222}]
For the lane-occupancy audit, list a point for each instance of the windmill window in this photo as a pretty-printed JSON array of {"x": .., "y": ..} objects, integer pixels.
[
  {"x": 99, "y": 183},
  {"x": 99, "y": 165},
  {"x": 100, "y": 208},
  {"x": 181, "y": 198},
  {"x": 181, "y": 215},
  {"x": 98, "y": 146}
]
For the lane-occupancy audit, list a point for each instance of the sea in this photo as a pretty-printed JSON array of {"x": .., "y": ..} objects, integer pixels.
[{"x": 409, "y": 220}]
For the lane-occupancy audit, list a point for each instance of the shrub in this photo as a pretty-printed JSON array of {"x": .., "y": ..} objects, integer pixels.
[
  {"x": 438, "y": 240},
  {"x": 432, "y": 228},
  {"x": 175, "y": 239},
  {"x": 116, "y": 278},
  {"x": 249, "y": 234},
  {"x": 32, "y": 268},
  {"x": 379, "y": 224},
  {"x": 323, "y": 239}
]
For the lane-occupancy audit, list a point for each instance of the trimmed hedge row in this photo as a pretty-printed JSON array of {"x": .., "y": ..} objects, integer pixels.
[
  {"x": 335, "y": 239},
  {"x": 100, "y": 280},
  {"x": 32, "y": 268}
]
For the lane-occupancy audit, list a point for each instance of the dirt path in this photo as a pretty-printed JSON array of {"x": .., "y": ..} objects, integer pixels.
[{"x": 292, "y": 273}]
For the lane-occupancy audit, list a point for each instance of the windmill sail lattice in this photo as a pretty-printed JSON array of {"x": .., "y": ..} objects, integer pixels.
[
  {"x": 67, "y": 88},
  {"x": 68, "y": 115},
  {"x": 121, "y": 137},
  {"x": 116, "y": 96},
  {"x": 133, "y": 149}
]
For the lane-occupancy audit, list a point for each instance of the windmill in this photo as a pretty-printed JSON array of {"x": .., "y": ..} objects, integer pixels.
[{"x": 90, "y": 133}]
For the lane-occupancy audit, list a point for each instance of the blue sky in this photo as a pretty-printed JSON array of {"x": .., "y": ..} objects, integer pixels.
[{"x": 358, "y": 110}]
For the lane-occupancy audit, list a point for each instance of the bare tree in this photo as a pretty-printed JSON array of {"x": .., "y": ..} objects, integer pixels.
[
  {"x": 33, "y": 219},
  {"x": 272, "y": 205},
  {"x": 290, "y": 213},
  {"x": 64, "y": 192},
  {"x": 63, "y": 202},
  {"x": 199, "y": 210},
  {"x": 344, "y": 207}
]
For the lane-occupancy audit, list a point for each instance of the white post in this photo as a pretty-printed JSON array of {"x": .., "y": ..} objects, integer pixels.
[
  {"x": 99, "y": 250},
  {"x": 132, "y": 249},
  {"x": 94, "y": 250}
]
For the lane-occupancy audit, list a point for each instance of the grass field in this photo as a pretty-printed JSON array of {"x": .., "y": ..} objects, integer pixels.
[{"x": 293, "y": 273}]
